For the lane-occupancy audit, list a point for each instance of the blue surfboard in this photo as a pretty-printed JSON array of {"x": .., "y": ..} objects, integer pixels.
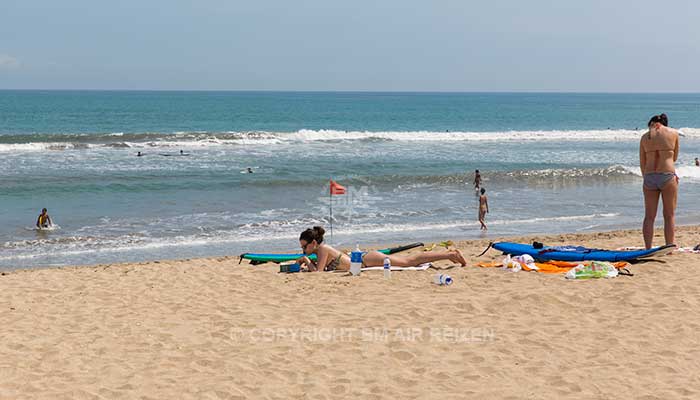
[{"x": 578, "y": 253}]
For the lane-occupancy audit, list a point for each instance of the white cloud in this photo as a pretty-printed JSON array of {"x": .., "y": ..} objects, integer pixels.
[{"x": 8, "y": 62}]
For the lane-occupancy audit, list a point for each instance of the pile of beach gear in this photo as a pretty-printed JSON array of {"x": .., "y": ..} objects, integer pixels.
[{"x": 575, "y": 262}]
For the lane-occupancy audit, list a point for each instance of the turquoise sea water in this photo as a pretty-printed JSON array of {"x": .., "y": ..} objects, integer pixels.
[{"x": 551, "y": 163}]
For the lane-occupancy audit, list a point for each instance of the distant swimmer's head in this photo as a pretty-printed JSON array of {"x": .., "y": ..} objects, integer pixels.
[
  {"x": 250, "y": 170},
  {"x": 483, "y": 190},
  {"x": 310, "y": 239}
]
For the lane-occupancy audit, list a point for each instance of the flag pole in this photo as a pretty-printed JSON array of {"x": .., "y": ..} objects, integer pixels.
[{"x": 330, "y": 203}]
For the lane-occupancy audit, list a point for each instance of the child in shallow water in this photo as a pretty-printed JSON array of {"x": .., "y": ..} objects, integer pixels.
[{"x": 44, "y": 221}]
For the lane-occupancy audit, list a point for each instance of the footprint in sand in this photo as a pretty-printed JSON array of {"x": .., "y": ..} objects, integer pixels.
[
  {"x": 442, "y": 376},
  {"x": 477, "y": 359},
  {"x": 403, "y": 355},
  {"x": 403, "y": 382},
  {"x": 338, "y": 389}
]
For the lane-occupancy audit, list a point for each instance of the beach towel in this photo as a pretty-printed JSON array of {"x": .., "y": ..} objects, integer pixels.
[
  {"x": 693, "y": 250},
  {"x": 594, "y": 270},
  {"x": 551, "y": 267},
  {"x": 421, "y": 267}
]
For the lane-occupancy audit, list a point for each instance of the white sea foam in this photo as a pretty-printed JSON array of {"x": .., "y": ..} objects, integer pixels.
[
  {"x": 42, "y": 146},
  {"x": 439, "y": 227},
  {"x": 606, "y": 135},
  {"x": 634, "y": 170},
  {"x": 212, "y": 139},
  {"x": 76, "y": 246},
  {"x": 690, "y": 172}
]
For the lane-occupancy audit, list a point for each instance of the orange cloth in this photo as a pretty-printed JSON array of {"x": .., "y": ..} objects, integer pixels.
[{"x": 552, "y": 267}]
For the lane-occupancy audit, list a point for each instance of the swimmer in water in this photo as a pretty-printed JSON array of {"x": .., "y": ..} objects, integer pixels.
[{"x": 44, "y": 221}]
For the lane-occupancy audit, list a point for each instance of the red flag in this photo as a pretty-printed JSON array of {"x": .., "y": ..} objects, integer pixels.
[{"x": 336, "y": 188}]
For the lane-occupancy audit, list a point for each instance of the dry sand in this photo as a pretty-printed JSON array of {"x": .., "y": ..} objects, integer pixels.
[{"x": 213, "y": 329}]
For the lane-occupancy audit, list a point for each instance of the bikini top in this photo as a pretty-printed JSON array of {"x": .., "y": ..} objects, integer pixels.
[{"x": 335, "y": 263}]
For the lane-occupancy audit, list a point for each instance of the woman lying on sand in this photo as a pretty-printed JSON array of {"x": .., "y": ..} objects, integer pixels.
[{"x": 330, "y": 259}]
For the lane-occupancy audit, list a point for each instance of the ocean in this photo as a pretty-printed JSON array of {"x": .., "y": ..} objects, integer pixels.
[{"x": 551, "y": 163}]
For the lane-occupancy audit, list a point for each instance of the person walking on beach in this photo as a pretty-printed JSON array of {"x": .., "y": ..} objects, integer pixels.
[
  {"x": 658, "y": 151},
  {"x": 44, "y": 221},
  {"x": 483, "y": 208},
  {"x": 697, "y": 162},
  {"x": 330, "y": 259}
]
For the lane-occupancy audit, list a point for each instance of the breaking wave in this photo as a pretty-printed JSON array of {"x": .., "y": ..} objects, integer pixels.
[{"x": 119, "y": 140}]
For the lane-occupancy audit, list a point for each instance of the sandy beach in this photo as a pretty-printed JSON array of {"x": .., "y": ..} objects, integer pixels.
[{"x": 214, "y": 329}]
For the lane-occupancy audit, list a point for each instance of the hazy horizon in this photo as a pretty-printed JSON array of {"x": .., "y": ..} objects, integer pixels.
[
  {"x": 323, "y": 46},
  {"x": 332, "y": 91}
]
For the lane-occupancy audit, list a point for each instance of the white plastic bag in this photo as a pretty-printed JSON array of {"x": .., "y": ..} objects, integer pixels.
[
  {"x": 527, "y": 261},
  {"x": 511, "y": 264}
]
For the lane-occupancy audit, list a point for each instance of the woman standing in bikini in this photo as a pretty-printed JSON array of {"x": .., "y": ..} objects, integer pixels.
[
  {"x": 330, "y": 259},
  {"x": 658, "y": 151}
]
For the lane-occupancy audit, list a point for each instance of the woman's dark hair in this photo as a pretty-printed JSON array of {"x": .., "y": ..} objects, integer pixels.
[
  {"x": 661, "y": 118},
  {"x": 316, "y": 233},
  {"x": 483, "y": 190}
]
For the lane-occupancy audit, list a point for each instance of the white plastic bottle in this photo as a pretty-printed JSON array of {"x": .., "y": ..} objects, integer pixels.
[
  {"x": 387, "y": 268},
  {"x": 442, "y": 279},
  {"x": 356, "y": 261}
]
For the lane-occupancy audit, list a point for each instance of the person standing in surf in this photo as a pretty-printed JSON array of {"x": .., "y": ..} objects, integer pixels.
[
  {"x": 477, "y": 180},
  {"x": 44, "y": 221},
  {"x": 483, "y": 208},
  {"x": 658, "y": 151}
]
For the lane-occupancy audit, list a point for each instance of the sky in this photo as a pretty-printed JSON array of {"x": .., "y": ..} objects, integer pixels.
[{"x": 353, "y": 45}]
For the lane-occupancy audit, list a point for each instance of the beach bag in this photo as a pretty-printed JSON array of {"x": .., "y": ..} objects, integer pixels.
[{"x": 595, "y": 269}]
